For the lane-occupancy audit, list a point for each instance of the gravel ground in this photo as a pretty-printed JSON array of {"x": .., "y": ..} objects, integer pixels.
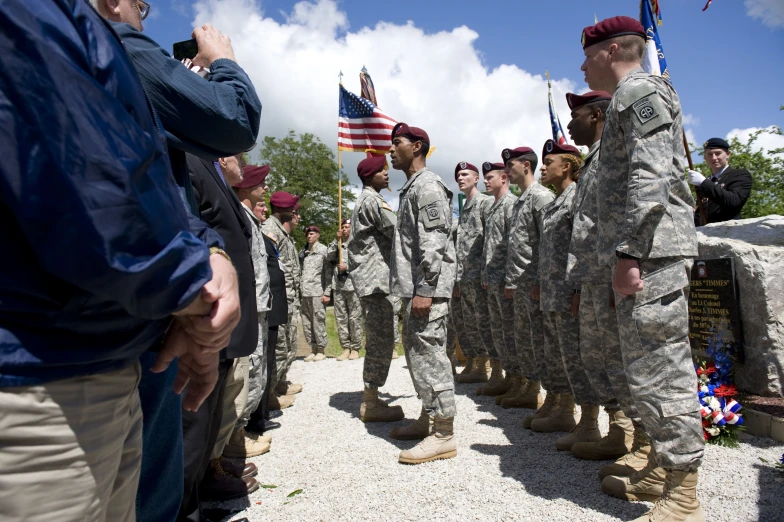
[{"x": 349, "y": 471}]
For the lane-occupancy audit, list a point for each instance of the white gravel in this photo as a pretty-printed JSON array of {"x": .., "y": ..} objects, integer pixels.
[{"x": 348, "y": 470}]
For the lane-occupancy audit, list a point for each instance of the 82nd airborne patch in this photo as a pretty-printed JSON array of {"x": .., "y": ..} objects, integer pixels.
[{"x": 645, "y": 110}]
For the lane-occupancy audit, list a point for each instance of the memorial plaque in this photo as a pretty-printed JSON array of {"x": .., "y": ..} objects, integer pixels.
[{"x": 714, "y": 311}]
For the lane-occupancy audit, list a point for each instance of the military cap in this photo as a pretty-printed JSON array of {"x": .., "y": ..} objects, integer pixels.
[
  {"x": 508, "y": 154},
  {"x": 576, "y": 101},
  {"x": 253, "y": 175},
  {"x": 313, "y": 228},
  {"x": 369, "y": 166},
  {"x": 412, "y": 133},
  {"x": 464, "y": 165},
  {"x": 487, "y": 167},
  {"x": 346, "y": 221},
  {"x": 551, "y": 147},
  {"x": 716, "y": 143},
  {"x": 610, "y": 28},
  {"x": 284, "y": 200}
]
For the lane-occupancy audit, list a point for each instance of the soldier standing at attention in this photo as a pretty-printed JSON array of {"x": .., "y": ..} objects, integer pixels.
[
  {"x": 369, "y": 249},
  {"x": 348, "y": 307},
  {"x": 647, "y": 236},
  {"x": 469, "y": 301},
  {"x": 422, "y": 273},
  {"x": 282, "y": 206},
  {"x": 499, "y": 221},
  {"x": 522, "y": 276},
  {"x": 315, "y": 286},
  {"x": 593, "y": 298}
]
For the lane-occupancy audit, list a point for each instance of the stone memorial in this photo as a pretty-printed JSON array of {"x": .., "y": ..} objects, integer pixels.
[{"x": 756, "y": 247}]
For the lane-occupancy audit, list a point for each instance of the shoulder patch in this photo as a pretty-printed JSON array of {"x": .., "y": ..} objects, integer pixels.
[
  {"x": 386, "y": 206},
  {"x": 628, "y": 95},
  {"x": 272, "y": 236},
  {"x": 650, "y": 113}
]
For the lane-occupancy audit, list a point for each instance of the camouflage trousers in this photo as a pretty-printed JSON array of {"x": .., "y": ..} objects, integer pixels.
[
  {"x": 314, "y": 322},
  {"x": 257, "y": 373},
  {"x": 565, "y": 371},
  {"x": 348, "y": 316},
  {"x": 470, "y": 317},
  {"x": 424, "y": 339},
  {"x": 600, "y": 349},
  {"x": 451, "y": 333},
  {"x": 286, "y": 345},
  {"x": 396, "y": 307},
  {"x": 502, "y": 325},
  {"x": 654, "y": 333},
  {"x": 529, "y": 335},
  {"x": 379, "y": 338}
]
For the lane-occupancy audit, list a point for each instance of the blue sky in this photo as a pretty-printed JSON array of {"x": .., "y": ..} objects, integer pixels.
[{"x": 727, "y": 66}]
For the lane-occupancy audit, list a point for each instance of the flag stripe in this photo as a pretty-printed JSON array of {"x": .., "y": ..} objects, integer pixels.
[
  {"x": 361, "y": 125},
  {"x": 357, "y": 124}
]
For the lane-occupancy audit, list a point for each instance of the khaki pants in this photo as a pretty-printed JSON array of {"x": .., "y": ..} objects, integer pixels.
[
  {"x": 234, "y": 398},
  {"x": 71, "y": 450}
]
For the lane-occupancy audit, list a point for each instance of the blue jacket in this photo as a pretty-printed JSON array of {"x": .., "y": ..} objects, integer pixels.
[{"x": 99, "y": 250}]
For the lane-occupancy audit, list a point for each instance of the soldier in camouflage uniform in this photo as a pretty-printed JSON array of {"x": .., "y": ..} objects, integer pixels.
[
  {"x": 646, "y": 233},
  {"x": 522, "y": 276},
  {"x": 600, "y": 345},
  {"x": 469, "y": 301},
  {"x": 348, "y": 307},
  {"x": 283, "y": 204},
  {"x": 422, "y": 273},
  {"x": 314, "y": 289},
  {"x": 369, "y": 249},
  {"x": 497, "y": 230}
]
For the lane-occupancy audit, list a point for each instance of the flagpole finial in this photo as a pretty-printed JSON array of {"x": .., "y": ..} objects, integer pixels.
[
  {"x": 595, "y": 20},
  {"x": 364, "y": 70},
  {"x": 340, "y": 77}
]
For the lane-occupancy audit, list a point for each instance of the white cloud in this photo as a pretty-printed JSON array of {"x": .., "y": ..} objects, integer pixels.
[
  {"x": 770, "y": 12},
  {"x": 765, "y": 141},
  {"x": 691, "y": 120},
  {"x": 436, "y": 81}
]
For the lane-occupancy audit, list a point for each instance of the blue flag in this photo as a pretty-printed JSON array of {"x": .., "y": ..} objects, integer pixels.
[{"x": 653, "y": 62}]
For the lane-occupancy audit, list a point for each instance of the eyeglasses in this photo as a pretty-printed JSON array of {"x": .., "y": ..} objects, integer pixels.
[{"x": 144, "y": 8}]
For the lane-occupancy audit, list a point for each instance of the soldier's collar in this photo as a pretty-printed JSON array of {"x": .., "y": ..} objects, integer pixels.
[{"x": 410, "y": 180}]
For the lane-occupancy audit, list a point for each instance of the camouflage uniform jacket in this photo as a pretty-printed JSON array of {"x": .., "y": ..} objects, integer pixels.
[
  {"x": 499, "y": 224},
  {"x": 471, "y": 238},
  {"x": 340, "y": 282},
  {"x": 583, "y": 265},
  {"x": 556, "y": 291},
  {"x": 645, "y": 207},
  {"x": 274, "y": 230},
  {"x": 369, "y": 246},
  {"x": 522, "y": 261},
  {"x": 316, "y": 273},
  {"x": 259, "y": 255},
  {"x": 423, "y": 256}
]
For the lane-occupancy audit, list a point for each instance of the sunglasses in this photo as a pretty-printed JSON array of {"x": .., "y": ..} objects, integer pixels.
[{"x": 144, "y": 8}]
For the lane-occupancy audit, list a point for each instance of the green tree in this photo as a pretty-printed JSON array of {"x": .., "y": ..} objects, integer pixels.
[
  {"x": 304, "y": 166},
  {"x": 767, "y": 172}
]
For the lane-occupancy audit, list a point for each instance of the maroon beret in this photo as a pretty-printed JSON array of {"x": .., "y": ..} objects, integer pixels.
[
  {"x": 346, "y": 221},
  {"x": 551, "y": 147},
  {"x": 369, "y": 166},
  {"x": 464, "y": 165},
  {"x": 412, "y": 133},
  {"x": 508, "y": 154},
  {"x": 487, "y": 167},
  {"x": 253, "y": 175},
  {"x": 284, "y": 200},
  {"x": 313, "y": 228},
  {"x": 578, "y": 100},
  {"x": 610, "y": 28}
]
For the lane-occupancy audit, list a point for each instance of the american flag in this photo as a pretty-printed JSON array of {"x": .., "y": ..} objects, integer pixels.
[
  {"x": 362, "y": 126},
  {"x": 555, "y": 122}
]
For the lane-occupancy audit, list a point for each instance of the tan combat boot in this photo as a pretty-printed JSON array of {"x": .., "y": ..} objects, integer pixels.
[
  {"x": 279, "y": 402},
  {"x": 440, "y": 445},
  {"x": 311, "y": 355},
  {"x": 679, "y": 502},
  {"x": 531, "y": 397},
  {"x": 518, "y": 386},
  {"x": 394, "y": 354},
  {"x": 288, "y": 388},
  {"x": 646, "y": 484},
  {"x": 633, "y": 461},
  {"x": 479, "y": 371},
  {"x": 615, "y": 444},
  {"x": 497, "y": 383},
  {"x": 242, "y": 445},
  {"x": 374, "y": 409},
  {"x": 550, "y": 403},
  {"x": 320, "y": 355},
  {"x": 586, "y": 431},
  {"x": 343, "y": 356},
  {"x": 562, "y": 418},
  {"x": 354, "y": 355},
  {"x": 419, "y": 429},
  {"x": 467, "y": 370}
]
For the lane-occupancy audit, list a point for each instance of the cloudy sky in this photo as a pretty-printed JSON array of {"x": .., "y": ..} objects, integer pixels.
[{"x": 472, "y": 73}]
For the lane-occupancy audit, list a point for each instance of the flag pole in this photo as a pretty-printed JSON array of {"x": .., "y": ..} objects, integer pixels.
[
  {"x": 340, "y": 192},
  {"x": 700, "y": 207}
]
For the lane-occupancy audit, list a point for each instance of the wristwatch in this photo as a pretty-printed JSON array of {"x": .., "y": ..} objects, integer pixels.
[{"x": 220, "y": 252}]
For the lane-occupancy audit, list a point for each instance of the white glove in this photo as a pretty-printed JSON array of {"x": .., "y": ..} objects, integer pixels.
[{"x": 695, "y": 178}]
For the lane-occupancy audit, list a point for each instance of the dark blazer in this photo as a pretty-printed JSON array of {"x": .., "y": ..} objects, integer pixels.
[
  {"x": 724, "y": 199},
  {"x": 221, "y": 210},
  {"x": 279, "y": 313}
]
